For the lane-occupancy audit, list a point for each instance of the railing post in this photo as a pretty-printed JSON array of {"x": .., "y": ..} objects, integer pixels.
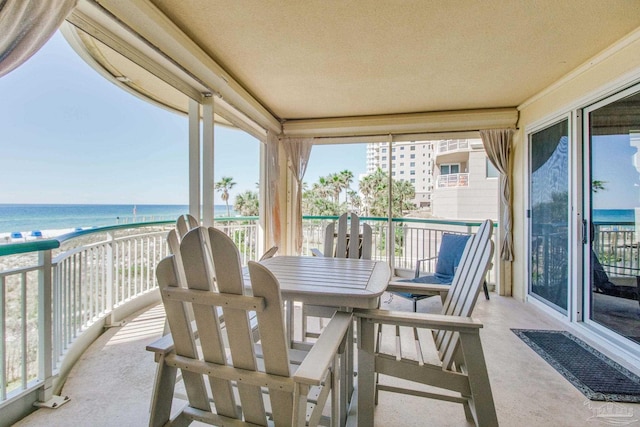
[
  {"x": 45, "y": 328},
  {"x": 110, "y": 266}
]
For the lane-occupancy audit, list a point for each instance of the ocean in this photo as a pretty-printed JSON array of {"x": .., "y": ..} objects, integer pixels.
[{"x": 30, "y": 217}]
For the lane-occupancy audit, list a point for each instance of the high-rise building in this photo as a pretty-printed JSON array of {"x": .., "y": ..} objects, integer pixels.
[{"x": 410, "y": 161}]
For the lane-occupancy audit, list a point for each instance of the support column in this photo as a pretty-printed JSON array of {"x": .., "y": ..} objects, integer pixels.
[
  {"x": 207, "y": 161},
  {"x": 194, "y": 159}
]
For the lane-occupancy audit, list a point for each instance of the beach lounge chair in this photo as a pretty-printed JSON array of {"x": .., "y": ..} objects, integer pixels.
[
  {"x": 250, "y": 383},
  {"x": 461, "y": 369},
  {"x": 16, "y": 235},
  {"x": 37, "y": 234}
]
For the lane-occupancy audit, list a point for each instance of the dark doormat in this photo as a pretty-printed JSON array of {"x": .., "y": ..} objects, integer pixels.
[{"x": 591, "y": 372}]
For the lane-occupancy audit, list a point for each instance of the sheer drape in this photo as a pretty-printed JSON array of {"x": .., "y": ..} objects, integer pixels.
[
  {"x": 25, "y": 26},
  {"x": 497, "y": 144},
  {"x": 298, "y": 151},
  {"x": 273, "y": 200}
]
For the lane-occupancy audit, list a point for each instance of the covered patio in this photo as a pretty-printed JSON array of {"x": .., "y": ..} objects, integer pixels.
[
  {"x": 527, "y": 390},
  {"x": 299, "y": 74}
]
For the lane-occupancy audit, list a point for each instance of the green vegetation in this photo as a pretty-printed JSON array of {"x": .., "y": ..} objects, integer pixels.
[{"x": 372, "y": 199}]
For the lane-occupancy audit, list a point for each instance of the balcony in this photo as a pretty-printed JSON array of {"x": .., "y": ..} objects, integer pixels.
[
  {"x": 452, "y": 180},
  {"x": 104, "y": 310},
  {"x": 527, "y": 390}
]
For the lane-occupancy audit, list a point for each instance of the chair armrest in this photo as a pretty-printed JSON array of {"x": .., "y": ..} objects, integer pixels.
[
  {"x": 417, "y": 288},
  {"x": 315, "y": 365},
  {"x": 316, "y": 252},
  {"x": 420, "y": 261},
  {"x": 420, "y": 320},
  {"x": 163, "y": 345}
]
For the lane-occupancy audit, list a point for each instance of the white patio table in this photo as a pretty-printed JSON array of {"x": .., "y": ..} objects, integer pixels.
[{"x": 333, "y": 282}]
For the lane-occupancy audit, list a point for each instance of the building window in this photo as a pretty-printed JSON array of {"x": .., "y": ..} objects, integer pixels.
[
  {"x": 492, "y": 172},
  {"x": 412, "y": 172},
  {"x": 413, "y": 181},
  {"x": 384, "y": 166},
  {"x": 413, "y": 148},
  {"x": 384, "y": 157},
  {"x": 401, "y": 172},
  {"x": 393, "y": 149},
  {"x": 393, "y": 173},
  {"x": 384, "y": 150},
  {"x": 402, "y": 156},
  {"x": 402, "y": 148},
  {"x": 413, "y": 156},
  {"x": 401, "y": 164},
  {"x": 412, "y": 164},
  {"x": 446, "y": 169},
  {"x": 393, "y": 157}
]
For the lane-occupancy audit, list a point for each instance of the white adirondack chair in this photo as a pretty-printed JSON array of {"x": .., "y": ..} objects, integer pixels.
[
  {"x": 456, "y": 337},
  {"x": 338, "y": 244},
  {"x": 244, "y": 389}
]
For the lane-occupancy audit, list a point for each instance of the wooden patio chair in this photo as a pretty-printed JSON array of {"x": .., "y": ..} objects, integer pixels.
[
  {"x": 338, "y": 244},
  {"x": 462, "y": 368},
  {"x": 446, "y": 262},
  {"x": 250, "y": 383}
]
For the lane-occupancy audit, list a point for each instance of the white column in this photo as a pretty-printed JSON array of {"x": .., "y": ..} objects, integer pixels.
[
  {"x": 207, "y": 162},
  {"x": 194, "y": 158}
]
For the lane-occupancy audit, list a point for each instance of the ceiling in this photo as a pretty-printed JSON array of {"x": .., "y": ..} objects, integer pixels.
[
  {"x": 337, "y": 58},
  {"x": 312, "y": 59}
]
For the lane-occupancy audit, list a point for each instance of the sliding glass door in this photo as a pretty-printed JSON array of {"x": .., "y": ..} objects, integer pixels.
[
  {"x": 549, "y": 215},
  {"x": 612, "y": 206}
]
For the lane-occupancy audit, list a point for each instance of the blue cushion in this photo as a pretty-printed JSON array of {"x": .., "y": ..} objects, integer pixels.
[
  {"x": 429, "y": 278},
  {"x": 451, "y": 249}
]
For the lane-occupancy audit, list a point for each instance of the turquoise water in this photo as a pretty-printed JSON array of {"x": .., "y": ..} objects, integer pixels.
[
  {"x": 613, "y": 215},
  {"x": 29, "y": 217}
]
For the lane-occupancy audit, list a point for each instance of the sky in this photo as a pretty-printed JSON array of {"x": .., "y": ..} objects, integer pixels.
[{"x": 67, "y": 135}]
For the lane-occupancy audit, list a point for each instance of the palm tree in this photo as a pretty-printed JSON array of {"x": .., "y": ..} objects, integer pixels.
[
  {"x": 247, "y": 203},
  {"x": 223, "y": 186},
  {"x": 346, "y": 178}
]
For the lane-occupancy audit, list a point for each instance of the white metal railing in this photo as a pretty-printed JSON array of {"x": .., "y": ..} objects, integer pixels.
[
  {"x": 49, "y": 297},
  {"x": 452, "y": 180},
  {"x": 451, "y": 145},
  {"x": 414, "y": 239}
]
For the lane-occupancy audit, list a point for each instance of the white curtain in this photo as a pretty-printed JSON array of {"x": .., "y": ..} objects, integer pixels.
[
  {"x": 298, "y": 151},
  {"x": 497, "y": 143},
  {"x": 273, "y": 199},
  {"x": 25, "y": 26}
]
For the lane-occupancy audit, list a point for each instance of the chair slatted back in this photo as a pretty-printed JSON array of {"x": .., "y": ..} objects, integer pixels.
[
  {"x": 462, "y": 297},
  {"x": 198, "y": 248},
  {"x": 345, "y": 246},
  {"x": 185, "y": 223}
]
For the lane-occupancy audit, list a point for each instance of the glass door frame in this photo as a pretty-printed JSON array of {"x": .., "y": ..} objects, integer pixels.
[
  {"x": 550, "y": 308},
  {"x": 585, "y": 206}
]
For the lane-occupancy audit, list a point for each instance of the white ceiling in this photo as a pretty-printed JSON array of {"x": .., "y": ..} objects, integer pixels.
[{"x": 338, "y": 58}]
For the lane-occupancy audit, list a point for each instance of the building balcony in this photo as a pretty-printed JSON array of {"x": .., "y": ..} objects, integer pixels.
[{"x": 452, "y": 180}]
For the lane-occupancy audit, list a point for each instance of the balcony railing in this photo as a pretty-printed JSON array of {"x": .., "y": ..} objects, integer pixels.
[
  {"x": 452, "y": 180},
  {"x": 54, "y": 292},
  {"x": 56, "y": 296},
  {"x": 452, "y": 145}
]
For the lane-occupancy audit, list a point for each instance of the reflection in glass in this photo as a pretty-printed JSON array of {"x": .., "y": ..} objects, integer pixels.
[
  {"x": 614, "y": 138},
  {"x": 549, "y": 201}
]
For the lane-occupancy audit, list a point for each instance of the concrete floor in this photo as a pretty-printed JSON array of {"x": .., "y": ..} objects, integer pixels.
[{"x": 111, "y": 384}]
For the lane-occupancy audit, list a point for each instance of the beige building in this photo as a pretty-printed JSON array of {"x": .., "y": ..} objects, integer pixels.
[{"x": 452, "y": 177}]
